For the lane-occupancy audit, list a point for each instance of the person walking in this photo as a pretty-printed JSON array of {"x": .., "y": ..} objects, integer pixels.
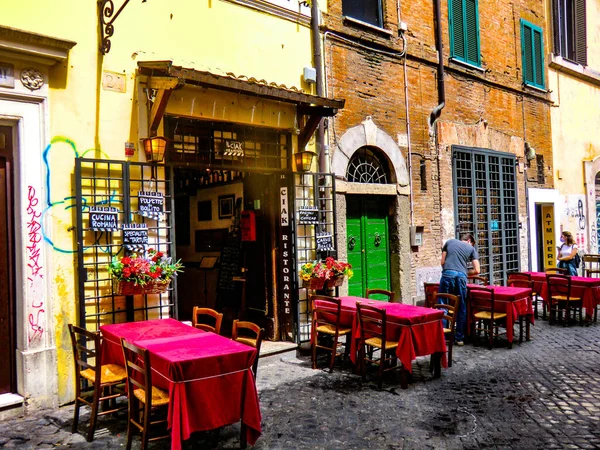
[
  {"x": 566, "y": 253},
  {"x": 456, "y": 255}
]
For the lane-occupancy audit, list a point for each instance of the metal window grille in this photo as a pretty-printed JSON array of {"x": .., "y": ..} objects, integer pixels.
[
  {"x": 485, "y": 200},
  {"x": 116, "y": 184},
  {"x": 366, "y": 167},
  {"x": 314, "y": 190}
]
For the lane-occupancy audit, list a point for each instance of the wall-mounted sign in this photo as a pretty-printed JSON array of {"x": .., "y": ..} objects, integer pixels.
[
  {"x": 7, "y": 75},
  {"x": 286, "y": 251},
  {"x": 548, "y": 234},
  {"x": 104, "y": 218},
  {"x": 308, "y": 215},
  {"x": 129, "y": 149},
  {"x": 324, "y": 242},
  {"x": 151, "y": 204},
  {"x": 233, "y": 148},
  {"x": 135, "y": 236}
]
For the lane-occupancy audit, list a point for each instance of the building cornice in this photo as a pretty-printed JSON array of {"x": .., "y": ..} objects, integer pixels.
[{"x": 45, "y": 49}]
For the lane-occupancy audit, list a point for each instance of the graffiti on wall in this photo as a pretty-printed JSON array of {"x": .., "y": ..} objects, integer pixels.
[
  {"x": 573, "y": 218},
  {"x": 34, "y": 264}
]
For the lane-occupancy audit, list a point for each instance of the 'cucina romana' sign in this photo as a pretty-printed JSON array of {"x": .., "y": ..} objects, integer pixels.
[{"x": 103, "y": 218}]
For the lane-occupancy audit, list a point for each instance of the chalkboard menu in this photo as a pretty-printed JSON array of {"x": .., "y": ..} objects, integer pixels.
[
  {"x": 308, "y": 215},
  {"x": 135, "y": 236},
  {"x": 230, "y": 263},
  {"x": 151, "y": 204},
  {"x": 324, "y": 242},
  {"x": 104, "y": 218}
]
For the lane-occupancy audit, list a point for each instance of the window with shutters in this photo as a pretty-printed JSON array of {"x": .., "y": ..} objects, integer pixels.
[
  {"x": 464, "y": 31},
  {"x": 570, "y": 30},
  {"x": 368, "y": 11},
  {"x": 532, "y": 49}
]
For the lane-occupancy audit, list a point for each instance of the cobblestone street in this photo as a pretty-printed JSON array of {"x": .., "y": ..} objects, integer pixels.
[{"x": 543, "y": 394}]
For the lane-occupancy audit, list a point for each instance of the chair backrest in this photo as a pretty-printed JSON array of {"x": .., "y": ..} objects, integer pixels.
[
  {"x": 373, "y": 322},
  {"x": 481, "y": 298},
  {"x": 376, "y": 294},
  {"x": 85, "y": 356},
  {"x": 558, "y": 285},
  {"x": 478, "y": 279},
  {"x": 591, "y": 265},
  {"x": 430, "y": 289},
  {"x": 207, "y": 319},
  {"x": 326, "y": 310},
  {"x": 449, "y": 304},
  {"x": 555, "y": 270},
  {"x": 247, "y": 333},
  {"x": 139, "y": 371},
  {"x": 519, "y": 279}
]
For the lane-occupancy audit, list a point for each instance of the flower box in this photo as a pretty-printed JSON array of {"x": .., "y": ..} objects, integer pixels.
[
  {"x": 313, "y": 283},
  {"x": 130, "y": 288}
]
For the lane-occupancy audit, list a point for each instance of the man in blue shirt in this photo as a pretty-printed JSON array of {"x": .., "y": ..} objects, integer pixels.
[{"x": 456, "y": 255}]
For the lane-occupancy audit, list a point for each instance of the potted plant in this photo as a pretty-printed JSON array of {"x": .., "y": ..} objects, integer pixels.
[
  {"x": 325, "y": 275},
  {"x": 143, "y": 274}
]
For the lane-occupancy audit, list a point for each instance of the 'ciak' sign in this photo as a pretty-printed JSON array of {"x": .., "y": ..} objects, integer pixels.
[{"x": 233, "y": 148}]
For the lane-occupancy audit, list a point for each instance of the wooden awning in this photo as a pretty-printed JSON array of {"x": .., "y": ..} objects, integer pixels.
[{"x": 164, "y": 77}]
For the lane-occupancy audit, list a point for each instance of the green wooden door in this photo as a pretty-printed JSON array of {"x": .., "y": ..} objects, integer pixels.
[{"x": 367, "y": 244}]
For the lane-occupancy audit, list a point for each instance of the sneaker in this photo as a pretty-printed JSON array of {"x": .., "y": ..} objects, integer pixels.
[{"x": 460, "y": 343}]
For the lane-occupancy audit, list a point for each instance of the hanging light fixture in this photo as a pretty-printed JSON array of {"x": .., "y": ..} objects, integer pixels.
[
  {"x": 304, "y": 160},
  {"x": 155, "y": 147}
]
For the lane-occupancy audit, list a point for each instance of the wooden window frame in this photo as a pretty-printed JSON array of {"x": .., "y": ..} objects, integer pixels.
[{"x": 570, "y": 30}]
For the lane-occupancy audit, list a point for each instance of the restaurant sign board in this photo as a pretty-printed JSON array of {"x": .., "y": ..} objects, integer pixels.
[
  {"x": 135, "y": 236},
  {"x": 103, "y": 218},
  {"x": 286, "y": 251},
  {"x": 151, "y": 204},
  {"x": 308, "y": 215}
]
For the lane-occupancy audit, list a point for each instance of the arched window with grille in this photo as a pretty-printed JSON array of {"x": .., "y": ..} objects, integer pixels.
[{"x": 368, "y": 165}]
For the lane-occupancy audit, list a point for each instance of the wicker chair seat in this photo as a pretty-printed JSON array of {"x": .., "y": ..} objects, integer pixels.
[
  {"x": 487, "y": 315},
  {"x": 247, "y": 340},
  {"x": 564, "y": 298},
  {"x": 447, "y": 330},
  {"x": 159, "y": 397},
  {"x": 111, "y": 373},
  {"x": 330, "y": 329},
  {"x": 376, "y": 342}
]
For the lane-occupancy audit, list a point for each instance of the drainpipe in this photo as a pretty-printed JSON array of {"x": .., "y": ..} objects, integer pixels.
[
  {"x": 437, "y": 111},
  {"x": 318, "y": 60}
]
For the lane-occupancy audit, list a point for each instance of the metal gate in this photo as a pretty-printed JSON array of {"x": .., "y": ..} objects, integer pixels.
[
  {"x": 312, "y": 190},
  {"x": 116, "y": 184},
  {"x": 485, "y": 205}
]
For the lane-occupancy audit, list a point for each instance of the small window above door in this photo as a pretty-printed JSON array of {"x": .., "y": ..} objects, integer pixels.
[{"x": 366, "y": 166}]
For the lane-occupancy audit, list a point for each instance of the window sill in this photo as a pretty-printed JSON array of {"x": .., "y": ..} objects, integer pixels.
[
  {"x": 560, "y": 64},
  {"x": 367, "y": 25},
  {"x": 535, "y": 88},
  {"x": 467, "y": 65}
]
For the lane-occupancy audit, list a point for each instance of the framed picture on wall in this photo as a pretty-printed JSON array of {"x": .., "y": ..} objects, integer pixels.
[
  {"x": 204, "y": 210},
  {"x": 226, "y": 206}
]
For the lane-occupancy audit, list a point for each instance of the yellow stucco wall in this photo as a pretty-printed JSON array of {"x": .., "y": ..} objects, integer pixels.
[{"x": 216, "y": 36}]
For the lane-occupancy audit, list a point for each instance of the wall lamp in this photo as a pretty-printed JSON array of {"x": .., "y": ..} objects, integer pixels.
[
  {"x": 155, "y": 148},
  {"x": 304, "y": 160}
]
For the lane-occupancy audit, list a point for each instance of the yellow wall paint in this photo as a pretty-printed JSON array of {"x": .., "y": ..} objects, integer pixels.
[{"x": 216, "y": 36}]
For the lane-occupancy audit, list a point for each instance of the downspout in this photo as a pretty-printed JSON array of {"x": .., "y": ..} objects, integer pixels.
[
  {"x": 318, "y": 61},
  {"x": 437, "y": 111}
]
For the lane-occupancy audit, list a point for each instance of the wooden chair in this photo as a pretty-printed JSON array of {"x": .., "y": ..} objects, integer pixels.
[
  {"x": 373, "y": 333},
  {"x": 377, "y": 294},
  {"x": 523, "y": 280},
  {"x": 101, "y": 380},
  {"x": 560, "y": 299},
  {"x": 484, "y": 316},
  {"x": 326, "y": 317},
  {"x": 207, "y": 319},
  {"x": 141, "y": 392},
  {"x": 556, "y": 271},
  {"x": 591, "y": 269},
  {"x": 478, "y": 279},
  {"x": 430, "y": 290},
  {"x": 250, "y": 334},
  {"x": 448, "y": 303}
]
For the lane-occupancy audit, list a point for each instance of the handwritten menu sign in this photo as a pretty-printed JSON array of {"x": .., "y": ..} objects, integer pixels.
[
  {"x": 324, "y": 242},
  {"x": 230, "y": 263},
  {"x": 151, "y": 204},
  {"x": 308, "y": 215},
  {"x": 135, "y": 236},
  {"x": 104, "y": 218}
]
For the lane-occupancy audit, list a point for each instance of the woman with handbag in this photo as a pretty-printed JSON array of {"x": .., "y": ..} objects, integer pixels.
[{"x": 567, "y": 252}]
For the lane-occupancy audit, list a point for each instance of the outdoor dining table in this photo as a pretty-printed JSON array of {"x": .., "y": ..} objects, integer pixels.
[
  {"x": 514, "y": 301},
  {"x": 585, "y": 287},
  {"x": 419, "y": 330},
  {"x": 209, "y": 377}
]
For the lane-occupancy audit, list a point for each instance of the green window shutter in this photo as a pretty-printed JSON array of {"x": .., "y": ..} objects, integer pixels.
[
  {"x": 532, "y": 49},
  {"x": 580, "y": 33},
  {"x": 464, "y": 31}
]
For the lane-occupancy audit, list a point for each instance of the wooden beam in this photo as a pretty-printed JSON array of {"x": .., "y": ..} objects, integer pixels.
[
  {"x": 158, "y": 108},
  {"x": 311, "y": 125},
  {"x": 322, "y": 111},
  {"x": 164, "y": 83}
]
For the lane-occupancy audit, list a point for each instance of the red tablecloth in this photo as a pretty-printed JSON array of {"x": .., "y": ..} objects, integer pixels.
[
  {"x": 513, "y": 301},
  {"x": 419, "y": 331},
  {"x": 586, "y": 288},
  {"x": 209, "y": 377}
]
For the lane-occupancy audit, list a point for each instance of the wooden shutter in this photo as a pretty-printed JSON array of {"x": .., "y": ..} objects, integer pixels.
[
  {"x": 527, "y": 50},
  {"x": 580, "y": 33},
  {"x": 471, "y": 31},
  {"x": 558, "y": 26},
  {"x": 457, "y": 29},
  {"x": 538, "y": 58}
]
